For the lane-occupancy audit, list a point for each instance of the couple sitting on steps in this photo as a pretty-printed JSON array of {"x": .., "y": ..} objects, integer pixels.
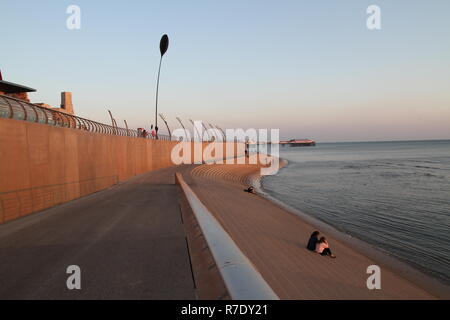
[{"x": 319, "y": 245}]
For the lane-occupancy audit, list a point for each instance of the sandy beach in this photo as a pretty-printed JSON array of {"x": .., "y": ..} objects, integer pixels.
[{"x": 274, "y": 240}]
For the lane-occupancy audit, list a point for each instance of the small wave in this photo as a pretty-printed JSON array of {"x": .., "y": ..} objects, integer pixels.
[
  {"x": 424, "y": 167},
  {"x": 429, "y": 175}
]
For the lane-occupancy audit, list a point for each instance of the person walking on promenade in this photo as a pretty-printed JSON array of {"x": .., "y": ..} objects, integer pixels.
[
  {"x": 311, "y": 246},
  {"x": 323, "y": 248}
]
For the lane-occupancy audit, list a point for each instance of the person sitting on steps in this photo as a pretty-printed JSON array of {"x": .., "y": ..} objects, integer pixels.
[
  {"x": 311, "y": 246},
  {"x": 323, "y": 248},
  {"x": 250, "y": 190}
]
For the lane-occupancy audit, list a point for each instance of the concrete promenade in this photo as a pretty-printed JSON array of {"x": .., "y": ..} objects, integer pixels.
[
  {"x": 128, "y": 240},
  {"x": 275, "y": 239},
  {"x": 130, "y": 243}
]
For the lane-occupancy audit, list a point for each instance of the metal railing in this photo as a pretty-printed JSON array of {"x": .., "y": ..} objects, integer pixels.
[{"x": 13, "y": 108}]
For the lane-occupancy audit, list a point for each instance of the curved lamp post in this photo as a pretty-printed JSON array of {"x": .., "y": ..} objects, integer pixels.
[
  {"x": 185, "y": 131},
  {"x": 199, "y": 135},
  {"x": 206, "y": 130},
  {"x": 216, "y": 136},
  {"x": 113, "y": 122},
  {"x": 168, "y": 129},
  {"x": 126, "y": 126},
  {"x": 223, "y": 133},
  {"x": 163, "y": 46}
]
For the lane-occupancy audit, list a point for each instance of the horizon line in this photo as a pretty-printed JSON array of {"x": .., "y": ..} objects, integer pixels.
[{"x": 400, "y": 140}]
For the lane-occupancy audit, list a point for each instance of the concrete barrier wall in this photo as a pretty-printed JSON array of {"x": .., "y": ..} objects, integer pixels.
[
  {"x": 242, "y": 280},
  {"x": 42, "y": 166}
]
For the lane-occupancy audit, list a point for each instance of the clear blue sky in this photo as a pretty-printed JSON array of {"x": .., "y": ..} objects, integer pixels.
[{"x": 310, "y": 68}]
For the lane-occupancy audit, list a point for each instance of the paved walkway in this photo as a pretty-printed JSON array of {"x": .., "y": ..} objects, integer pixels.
[{"x": 128, "y": 241}]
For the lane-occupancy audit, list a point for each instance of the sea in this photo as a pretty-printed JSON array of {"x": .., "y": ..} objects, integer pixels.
[{"x": 394, "y": 196}]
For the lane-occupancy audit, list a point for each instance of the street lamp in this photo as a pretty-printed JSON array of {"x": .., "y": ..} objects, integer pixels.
[
  {"x": 223, "y": 133},
  {"x": 206, "y": 130},
  {"x": 199, "y": 135},
  {"x": 126, "y": 126},
  {"x": 113, "y": 122},
  {"x": 216, "y": 136},
  {"x": 163, "y": 46},
  {"x": 168, "y": 129},
  {"x": 185, "y": 131}
]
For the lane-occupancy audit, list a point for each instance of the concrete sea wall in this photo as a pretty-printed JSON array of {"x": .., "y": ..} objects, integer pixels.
[{"x": 42, "y": 165}]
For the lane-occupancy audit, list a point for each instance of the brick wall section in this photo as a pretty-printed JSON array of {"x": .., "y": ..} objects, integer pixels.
[{"x": 42, "y": 166}]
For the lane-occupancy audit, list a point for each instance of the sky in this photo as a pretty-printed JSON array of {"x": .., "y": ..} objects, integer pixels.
[{"x": 309, "y": 68}]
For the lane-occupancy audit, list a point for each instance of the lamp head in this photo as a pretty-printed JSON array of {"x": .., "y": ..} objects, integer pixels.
[{"x": 164, "y": 44}]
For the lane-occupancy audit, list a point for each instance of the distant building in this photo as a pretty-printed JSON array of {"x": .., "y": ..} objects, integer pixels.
[
  {"x": 298, "y": 143},
  {"x": 66, "y": 103},
  {"x": 14, "y": 90},
  {"x": 20, "y": 92}
]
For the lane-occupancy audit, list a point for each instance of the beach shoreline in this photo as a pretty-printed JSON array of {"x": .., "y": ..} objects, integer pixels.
[{"x": 251, "y": 176}]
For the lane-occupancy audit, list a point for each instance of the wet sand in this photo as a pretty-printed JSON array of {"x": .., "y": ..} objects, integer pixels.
[{"x": 274, "y": 239}]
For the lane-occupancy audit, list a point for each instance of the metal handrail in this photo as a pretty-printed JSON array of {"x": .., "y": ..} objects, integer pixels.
[
  {"x": 13, "y": 108},
  {"x": 241, "y": 278}
]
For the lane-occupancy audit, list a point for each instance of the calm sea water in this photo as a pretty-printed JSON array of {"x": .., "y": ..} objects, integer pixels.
[{"x": 393, "y": 195}]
